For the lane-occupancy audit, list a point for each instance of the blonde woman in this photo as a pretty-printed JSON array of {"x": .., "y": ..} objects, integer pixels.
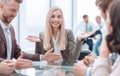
[{"x": 57, "y": 37}]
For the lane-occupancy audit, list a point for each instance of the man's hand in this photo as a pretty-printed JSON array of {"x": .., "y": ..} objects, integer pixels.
[
  {"x": 49, "y": 56},
  {"x": 80, "y": 69},
  {"x": 23, "y": 63},
  {"x": 21, "y": 55},
  {"x": 81, "y": 36},
  {"x": 84, "y": 35},
  {"x": 7, "y": 67},
  {"x": 89, "y": 59}
]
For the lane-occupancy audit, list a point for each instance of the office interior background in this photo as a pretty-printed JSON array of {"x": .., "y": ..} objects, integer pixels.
[{"x": 32, "y": 16}]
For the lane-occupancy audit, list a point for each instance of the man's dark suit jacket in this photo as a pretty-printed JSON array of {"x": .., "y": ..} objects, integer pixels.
[{"x": 15, "y": 48}]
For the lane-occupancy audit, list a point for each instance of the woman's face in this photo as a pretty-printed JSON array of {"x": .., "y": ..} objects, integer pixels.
[
  {"x": 108, "y": 23},
  {"x": 56, "y": 19}
]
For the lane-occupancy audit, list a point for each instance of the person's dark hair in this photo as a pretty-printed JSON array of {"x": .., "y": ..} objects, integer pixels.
[
  {"x": 103, "y": 4},
  {"x": 85, "y": 16},
  {"x": 113, "y": 39}
]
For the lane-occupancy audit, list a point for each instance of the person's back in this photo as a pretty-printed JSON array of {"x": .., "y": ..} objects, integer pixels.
[{"x": 110, "y": 44}]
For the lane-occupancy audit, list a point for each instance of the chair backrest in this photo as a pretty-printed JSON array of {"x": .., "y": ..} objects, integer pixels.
[{"x": 84, "y": 53}]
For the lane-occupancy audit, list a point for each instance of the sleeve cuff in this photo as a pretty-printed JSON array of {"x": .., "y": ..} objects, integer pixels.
[
  {"x": 102, "y": 61},
  {"x": 41, "y": 56},
  {"x": 88, "y": 73}
]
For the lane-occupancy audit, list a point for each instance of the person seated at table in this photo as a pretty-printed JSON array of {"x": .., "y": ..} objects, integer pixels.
[
  {"x": 9, "y": 48},
  {"x": 110, "y": 44},
  {"x": 8, "y": 45},
  {"x": 57, "y": 37},
  {"x": 9, "y": 66}
]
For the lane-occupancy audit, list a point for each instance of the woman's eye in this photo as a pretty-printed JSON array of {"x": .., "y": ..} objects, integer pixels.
[
  {"x": 53, "y": 16},
  {"x": 59, "y": 16}
]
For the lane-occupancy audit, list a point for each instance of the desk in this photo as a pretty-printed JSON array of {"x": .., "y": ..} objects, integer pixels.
[{"x": 60, "y": 68}]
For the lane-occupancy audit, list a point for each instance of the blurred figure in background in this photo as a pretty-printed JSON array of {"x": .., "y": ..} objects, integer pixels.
[
  {"x": 84, "y": 30},
  {"x": 100, "y": 28}
]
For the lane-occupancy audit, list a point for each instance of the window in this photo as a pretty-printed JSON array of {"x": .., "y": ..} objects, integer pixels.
[{"x": 32, "y": 20}]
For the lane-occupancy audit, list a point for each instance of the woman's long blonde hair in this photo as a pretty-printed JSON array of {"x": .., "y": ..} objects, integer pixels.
[{"x": 48, "y": 32}]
